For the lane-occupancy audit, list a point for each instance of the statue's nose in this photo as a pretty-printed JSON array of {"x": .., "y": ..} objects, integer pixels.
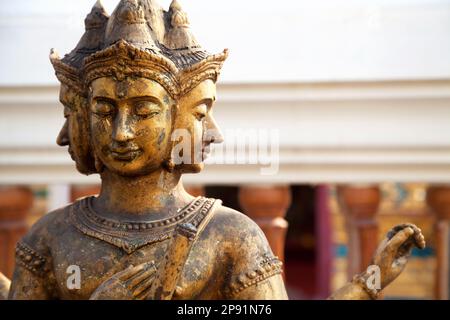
[
  {"x": 63, "y": 136},
  {"x": 213, "y": 132},
  {"x": 123, "y": 128}
]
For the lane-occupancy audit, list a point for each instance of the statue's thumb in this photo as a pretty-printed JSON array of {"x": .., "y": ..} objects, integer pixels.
[{"x": 399, "y": 238}]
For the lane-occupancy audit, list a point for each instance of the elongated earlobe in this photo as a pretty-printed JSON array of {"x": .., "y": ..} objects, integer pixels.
[{"x": 98, "y": 164}]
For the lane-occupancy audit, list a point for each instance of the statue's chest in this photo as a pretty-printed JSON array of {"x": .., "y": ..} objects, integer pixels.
[
  {"x": 95, "y": 248},
  {"x": 82, "y": 264}
]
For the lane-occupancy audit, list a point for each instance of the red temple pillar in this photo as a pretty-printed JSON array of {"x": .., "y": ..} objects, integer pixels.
[
  {"x": 360, "y": 205},
  {"x": 268, "y": 206},
  {"x": 15, "y": 205},
  {"x": 438, "y": 199}
]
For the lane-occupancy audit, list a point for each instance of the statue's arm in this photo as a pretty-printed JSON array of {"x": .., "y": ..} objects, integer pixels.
[
  {"x": 388, "y": 262},
  {"x": 254, "y": 273},
  {"x": 351, "y": 291},
  {"x": 269, "y": 289},
  {"x": 33, "y": 274},
  {"x": 26, "y": 285}
]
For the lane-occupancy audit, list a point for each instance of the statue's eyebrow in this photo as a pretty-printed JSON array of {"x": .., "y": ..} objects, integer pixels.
[
  {"x": 107, "y": 99},
  {"x": 150, "y": 98},
  {"x": 208, "y": 101}
]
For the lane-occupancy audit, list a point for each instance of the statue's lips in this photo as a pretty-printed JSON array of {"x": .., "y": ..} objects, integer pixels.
[
  {"x": 71, "y": 153},
  {"x": 125, "y": 154}
]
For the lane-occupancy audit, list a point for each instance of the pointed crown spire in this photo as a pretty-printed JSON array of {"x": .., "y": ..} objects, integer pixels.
[
  {"x": 68, "y": 69},
  {"x": 142, "y": 39}
]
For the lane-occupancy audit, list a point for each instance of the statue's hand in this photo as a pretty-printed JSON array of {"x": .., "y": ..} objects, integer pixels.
[
  {"x": 392, "y": 254},
  {"x": 132, "y": 283}
]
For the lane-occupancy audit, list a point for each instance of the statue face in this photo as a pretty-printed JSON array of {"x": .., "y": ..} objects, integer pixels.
[
  {"x": 75, "y": 131},
  {"x": 130, "y": 124},
  {"x": 195, "y": 117}
]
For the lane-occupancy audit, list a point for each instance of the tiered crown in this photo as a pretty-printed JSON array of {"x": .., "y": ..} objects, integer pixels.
[
  {"x": 68, "y": 69},
  {"x": 140, "y": 39}
]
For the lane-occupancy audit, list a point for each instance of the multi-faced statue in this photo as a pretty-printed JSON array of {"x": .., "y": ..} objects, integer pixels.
[
  {"x": 148, "y": 90},
  {"x": 72, "y": 93}
]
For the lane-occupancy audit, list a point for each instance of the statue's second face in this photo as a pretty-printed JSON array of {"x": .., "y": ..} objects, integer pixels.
[
  {"x": 75, "y": 131},
  {"x": 195, "y": 118},
  {"x": 130, "y": 124}
]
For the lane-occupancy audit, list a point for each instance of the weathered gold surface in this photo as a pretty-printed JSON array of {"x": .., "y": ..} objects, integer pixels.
[{"x": 136, "y": 79}]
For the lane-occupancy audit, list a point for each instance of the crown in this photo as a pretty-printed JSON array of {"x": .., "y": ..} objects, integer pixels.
[
  {"x": 67, "y": 70},
  {"x": 136, "y": 22},
  {"x": 124, "y": 59},
  {"x": 132, "y": 47},
  {"x": 179, "y": 35},
  {"x": 155, "y": 17},
  {"x": 141, "y": 39},
  {"x": 181, "y": 46},
  {"x": 66, "y": 73},
  {"x": 208, "y": 68}
]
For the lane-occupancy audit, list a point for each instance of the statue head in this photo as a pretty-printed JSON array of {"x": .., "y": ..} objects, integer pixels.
[
  {"x": 149, "y": 77},
  {"x": 132, "y": 93},
  {"x": 73, "y": 96},
  {"x": 195, "y": 127},
  {"x": 130, "y": 121}
]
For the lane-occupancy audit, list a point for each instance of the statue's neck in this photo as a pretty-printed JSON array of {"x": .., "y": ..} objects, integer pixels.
[{"x": 158, "y": 194}]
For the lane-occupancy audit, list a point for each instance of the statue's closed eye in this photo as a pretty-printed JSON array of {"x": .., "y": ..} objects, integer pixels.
[
  {"x": 200, "y": 111},
  {"x": 147, "y": 109},
  {"x": 102, "y": 108}
]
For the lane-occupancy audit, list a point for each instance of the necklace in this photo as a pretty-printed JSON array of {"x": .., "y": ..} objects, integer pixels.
[{"x": 131, "y": 236}]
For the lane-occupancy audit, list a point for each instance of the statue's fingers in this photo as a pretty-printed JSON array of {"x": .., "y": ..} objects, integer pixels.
[
  {"x": 405, "y": 249},
  {"x": 141, "y": 291},
  {"x": 140, "y": 277},
  {"x": 418, "y": 236},
  {"x": 419, "y": 239},
  {"x": 130, "y": 271},
  {"x": 399, "y": 239},
  {"x": 144, "y": 295},
  {"x": 123, "y": 273},
  {"x": 391, "y": 233}
]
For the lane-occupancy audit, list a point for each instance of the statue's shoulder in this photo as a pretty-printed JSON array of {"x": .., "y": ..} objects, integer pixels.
[
  {"x": 48, "y": 226},
  {"x": 246, "y": 250},
  {"x": 33, "y": 251},
  {"x": 238, "y": 228},
  {"x": 239, "y": 234}
]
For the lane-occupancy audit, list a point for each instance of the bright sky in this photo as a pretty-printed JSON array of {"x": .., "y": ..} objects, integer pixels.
[{"x": 283, "y": 40}]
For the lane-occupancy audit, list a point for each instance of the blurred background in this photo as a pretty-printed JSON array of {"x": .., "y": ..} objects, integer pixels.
[{"x": 357, "y": 91}]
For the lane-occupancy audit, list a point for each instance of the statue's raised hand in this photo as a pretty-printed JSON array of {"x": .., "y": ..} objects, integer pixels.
[
  {"x": 132, "y": 283},
  {"x": 392, "y": 254}
]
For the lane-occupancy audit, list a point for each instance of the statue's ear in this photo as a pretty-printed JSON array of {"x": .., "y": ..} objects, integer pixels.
[
  {"x": 168, "y": 163},
  {"x": 99, "y": 166}
]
